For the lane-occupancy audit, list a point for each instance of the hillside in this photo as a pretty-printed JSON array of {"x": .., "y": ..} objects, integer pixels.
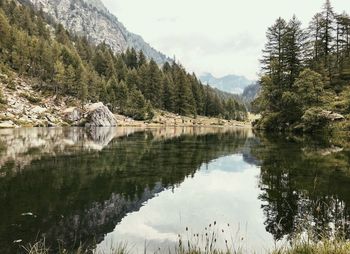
[
  {"x": 91, "y": 18},
  {"x": 251, "y": 92},
  {"x": 69, "y": 68}
]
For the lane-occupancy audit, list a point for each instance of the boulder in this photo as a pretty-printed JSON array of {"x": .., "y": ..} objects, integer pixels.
[
  {"x": 98, "y": 115},
  {"x": 331, "y": 116},
  {"x": 51, "y": 118},
  {"x": 72, "y": 114},
  {"x": 38, "y": 110},
  {"x": 7, "y": 124}
]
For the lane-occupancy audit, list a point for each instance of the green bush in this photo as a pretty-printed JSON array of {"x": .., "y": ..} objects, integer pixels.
[{"x": 313, "y": 120}]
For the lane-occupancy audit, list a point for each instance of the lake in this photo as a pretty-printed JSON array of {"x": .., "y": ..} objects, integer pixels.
[{"x": 151, "y": 188}]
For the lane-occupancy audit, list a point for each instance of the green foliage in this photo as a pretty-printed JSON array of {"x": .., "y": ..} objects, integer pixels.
[
  {"x": 70, "y": 65},
  {"x": 310, "y": 88},
  {"x": 31, "y": 98},
  {"x": 138, "y": 108},
  {"x": 305, "y": 70},
  {"x": 313, "y": 119}
]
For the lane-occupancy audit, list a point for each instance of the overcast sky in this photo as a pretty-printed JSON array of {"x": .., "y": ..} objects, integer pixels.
[{"x": 217, "y": 36}]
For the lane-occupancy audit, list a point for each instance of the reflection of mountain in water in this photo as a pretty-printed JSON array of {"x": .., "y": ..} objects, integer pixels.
[
  {"x": 248, "y": 157},
  {"x": 92, "y": 223},
  {"x": 80, "y": 183}
]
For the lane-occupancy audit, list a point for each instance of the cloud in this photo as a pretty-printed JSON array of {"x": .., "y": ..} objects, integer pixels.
[
  {"x": 221, "y": 37},
  {"x": 167, "y": 19}
]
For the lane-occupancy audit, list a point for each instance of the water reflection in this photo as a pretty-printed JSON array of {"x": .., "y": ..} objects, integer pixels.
[
  {"x": 223, "y": 191},
  {"x": 99, "y": 187},
  {"x": 305, "y": 186},
  {"x": 75, "y": 185}
]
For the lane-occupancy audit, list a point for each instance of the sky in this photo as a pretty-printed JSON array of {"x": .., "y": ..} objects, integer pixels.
[{"x": 217, "y": 36}]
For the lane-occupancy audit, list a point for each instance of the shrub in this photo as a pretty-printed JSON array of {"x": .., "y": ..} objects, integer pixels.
[
  {"x": 313, "y": 120},
  {"x": 2, "y": 98},
  {"x": 31, "y": 98}
]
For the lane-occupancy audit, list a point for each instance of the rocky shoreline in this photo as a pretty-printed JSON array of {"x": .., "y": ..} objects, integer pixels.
[{"x": 24, "y": 106}]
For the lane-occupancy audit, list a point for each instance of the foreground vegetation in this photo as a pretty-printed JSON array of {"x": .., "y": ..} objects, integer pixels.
[
  {"x": 298, "y": 247},
  {"x": 306, "y": 73},
  {"x": 67, "y": 65}
]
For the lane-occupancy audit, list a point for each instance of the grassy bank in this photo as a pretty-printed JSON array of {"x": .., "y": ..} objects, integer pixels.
[{"x": 326, "y": 246}]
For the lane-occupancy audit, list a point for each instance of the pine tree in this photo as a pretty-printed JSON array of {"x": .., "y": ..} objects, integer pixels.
[
  {"x": 137, "y": 105},
  {"x": 197, "y": 92},
  {"x": 141, "y": 59},
  {"x": 326, "y": 33},
  {"x": 327, "y": 28},
  {"x": 5, "y": 31},
  {"x": 121, "y": 96},
  {"x": 111, "y": 88},
  {"x": 70, "y": 81},
  {"x": 132, "y": 79},
  {"x": 153, "y": 84},
  {"x": 184, "y": 102},
  {"x": 310, "y": 88},
  {"x": 294, "y": 40},
  {"x": 62, "y": 36},
  {"x": 59, "y": 76},
  {"x": 100, "y": 65},
  {"x": 131, "y": 58},
  {"x": 168, "y": 94},
  {"x": 120, "y": 68},
  {"x": 274, "y": 80},
  {"x": 83, "y": 86},
  {"x": 274, "y": 53}
]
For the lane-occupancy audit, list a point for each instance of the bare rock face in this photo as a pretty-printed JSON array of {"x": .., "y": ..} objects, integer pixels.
[
  {"x": 72, "y": 114},
  {"x": 98, "y": 115},
  {"x": 7, "y": 124},
  {"x": 92, "y": 19}
]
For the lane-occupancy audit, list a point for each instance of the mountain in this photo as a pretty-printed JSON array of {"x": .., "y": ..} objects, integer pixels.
[
  {"x": 230, "y": 83},
  {"x": 251, "y": 92},
  {"x": 92, "y": 19}
]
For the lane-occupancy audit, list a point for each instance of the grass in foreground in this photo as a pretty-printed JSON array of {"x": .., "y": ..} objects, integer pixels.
[
  {"x": 298, "y": 247},
  {"x": 214, "y": 240},
  {"x": 323, "y": 247}
]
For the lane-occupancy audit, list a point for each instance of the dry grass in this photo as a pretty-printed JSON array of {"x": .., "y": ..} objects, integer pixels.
[
  {"x": 324, "y": 247},
  {"x": 212, "y": 241}
]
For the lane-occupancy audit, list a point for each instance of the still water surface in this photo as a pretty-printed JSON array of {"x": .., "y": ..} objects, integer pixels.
[{"x": 102, "y": 187}]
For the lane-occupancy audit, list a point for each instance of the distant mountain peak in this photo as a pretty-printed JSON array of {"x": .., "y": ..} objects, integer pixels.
[{"x": 230, "y": 83}]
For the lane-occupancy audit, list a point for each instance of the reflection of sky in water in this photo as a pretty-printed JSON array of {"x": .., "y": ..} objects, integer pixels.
[
  {"x": 233, "y": 163},
  {"x": 225, "y": 190}
]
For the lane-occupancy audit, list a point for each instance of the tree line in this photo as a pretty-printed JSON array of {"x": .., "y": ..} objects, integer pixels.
[
  {"x": 129, "y": 83},
  {"x": 305, "y": 71}
]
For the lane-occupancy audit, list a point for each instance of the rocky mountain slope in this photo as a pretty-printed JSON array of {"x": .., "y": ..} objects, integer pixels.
[
  {"x": 251, "y": 92},
  {"x": 230, "y": 83},
  {"x": 23, "y": 105},
  {"x": 91, "y": 18}
]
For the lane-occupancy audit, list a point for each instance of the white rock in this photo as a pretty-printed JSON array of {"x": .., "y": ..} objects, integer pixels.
[
  {"x": 98, "y": 115},
  {"x": 332, "y": 116},
  {"x": 38, "y": 110},
  {"x": 72, "y": 114},
  {"x": 7, "y": 124}
]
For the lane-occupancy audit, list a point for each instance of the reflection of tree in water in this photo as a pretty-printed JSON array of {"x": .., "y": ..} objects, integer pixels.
[
  {"x": 80, "y": 196},
  {"x": 305, "y": 187}
]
